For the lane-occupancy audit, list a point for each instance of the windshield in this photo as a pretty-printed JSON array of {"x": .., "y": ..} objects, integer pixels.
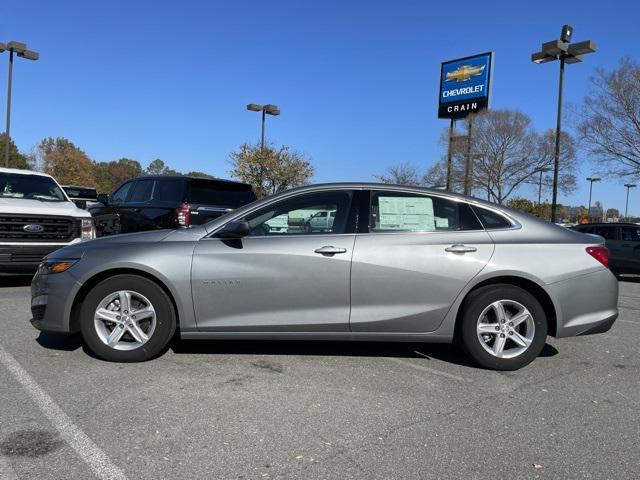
[{"x": 34, "y": 187}]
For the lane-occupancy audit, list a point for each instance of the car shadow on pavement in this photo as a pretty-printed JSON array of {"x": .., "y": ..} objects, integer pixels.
[
  {"x": 424, "y": 351},
  {"x": 15, "y": 280},
  {"x": 59, "y": 341}
]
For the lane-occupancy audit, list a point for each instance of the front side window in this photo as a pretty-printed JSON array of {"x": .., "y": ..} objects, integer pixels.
[
  {"x": 408, "y": 212},
  {"x": 35, "y": 187},
  {"x": 120, "y": 195},
  {"x": 142, "y": 191},
  {"x": 630, "y": 234},
  {"x": 309, "y": 214}
]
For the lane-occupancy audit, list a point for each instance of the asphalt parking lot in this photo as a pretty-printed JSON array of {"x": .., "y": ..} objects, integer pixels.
[{"x": 232, "y": 410}]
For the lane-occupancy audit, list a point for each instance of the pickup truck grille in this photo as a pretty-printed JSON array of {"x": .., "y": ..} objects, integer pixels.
[{"x": 13, "y": 228}]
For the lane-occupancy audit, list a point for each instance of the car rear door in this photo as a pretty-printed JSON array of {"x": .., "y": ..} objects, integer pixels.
[
  {"x": 418, "y": 254},
  {"x": 630, "y": 248},
  {"x": 611, "y": 235},
  {"x": 287, "y": 280}
]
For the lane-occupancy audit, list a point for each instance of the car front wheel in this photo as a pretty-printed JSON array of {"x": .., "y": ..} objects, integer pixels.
[
  {"x": 503, "y": 327},
  {"x": 127, "y": 318}
]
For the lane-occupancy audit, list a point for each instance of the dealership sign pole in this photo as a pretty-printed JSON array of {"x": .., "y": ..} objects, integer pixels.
[{"x": 464, "y": 90}]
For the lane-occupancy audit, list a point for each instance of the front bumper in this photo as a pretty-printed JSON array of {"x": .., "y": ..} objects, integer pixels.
[
  {"x": 24, "y": 258},
  {"x": 51, "y": 301},
  {"x": 586, "y": 304}
]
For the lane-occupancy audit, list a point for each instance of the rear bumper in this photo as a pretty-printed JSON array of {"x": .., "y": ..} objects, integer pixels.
[
  {"x": 587, "y": 304},
  {"x": 24, "y": 258}
]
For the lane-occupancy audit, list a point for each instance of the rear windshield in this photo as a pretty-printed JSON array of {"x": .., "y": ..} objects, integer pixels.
[
  {"x": 223, "y": 194},
  {"x": 34, "y": 187}
]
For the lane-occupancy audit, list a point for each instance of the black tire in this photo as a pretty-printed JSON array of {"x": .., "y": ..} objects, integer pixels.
[
  {"x": 165, "y": 319},
  {"x": 473, "y": 307}
]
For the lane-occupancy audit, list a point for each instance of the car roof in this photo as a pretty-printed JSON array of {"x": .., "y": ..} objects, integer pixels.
[
  {"x": 23, "y": 172},
  {"x": 188, "y": 177},
  {"x": 608, "y": 224}
]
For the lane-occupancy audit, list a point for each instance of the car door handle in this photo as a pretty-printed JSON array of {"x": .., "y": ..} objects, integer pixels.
[
  {"x": 137, "y": 210},
  {"x": 330, "y": 250},
  {"x": 458, "y": 248}
]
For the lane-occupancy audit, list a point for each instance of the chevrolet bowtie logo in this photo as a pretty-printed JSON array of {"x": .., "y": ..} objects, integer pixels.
[{"x": 464, "y": 73}]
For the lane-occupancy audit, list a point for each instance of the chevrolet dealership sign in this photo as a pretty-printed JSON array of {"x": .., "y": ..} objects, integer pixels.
[{"x": 464, "y": 86}]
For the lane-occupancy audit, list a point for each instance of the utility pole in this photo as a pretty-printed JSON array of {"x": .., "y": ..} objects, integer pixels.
[{"x": 469, "y": 166}]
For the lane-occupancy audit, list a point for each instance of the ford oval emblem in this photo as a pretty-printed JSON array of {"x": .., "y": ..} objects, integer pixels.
[{"x": 32, "y": 228}]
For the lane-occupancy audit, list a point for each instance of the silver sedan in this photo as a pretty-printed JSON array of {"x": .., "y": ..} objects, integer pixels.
[{"x": 394, "y": 264}]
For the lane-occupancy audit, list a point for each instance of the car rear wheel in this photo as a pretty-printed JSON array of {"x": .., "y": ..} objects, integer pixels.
[
  {"x": 503, "y": 327},
  {"x": 127, "y": 318}
]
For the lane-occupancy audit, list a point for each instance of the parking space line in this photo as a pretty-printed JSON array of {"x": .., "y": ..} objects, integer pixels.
[
  {"x": 423, "y": 368},
  {"x": 88, "y": 451},
  {"x": 6, "y": 471}
]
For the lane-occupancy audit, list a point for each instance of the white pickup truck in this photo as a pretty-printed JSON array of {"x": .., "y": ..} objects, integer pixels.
[{"x": 36, "y": 218}]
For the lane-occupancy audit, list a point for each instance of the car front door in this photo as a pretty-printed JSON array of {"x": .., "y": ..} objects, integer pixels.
[
  {"x": 132, "y": 211},
  {"x": 278, "y": 280},
  {"x": 107, "y": 217},
  {"x": 419, "y": 253}
]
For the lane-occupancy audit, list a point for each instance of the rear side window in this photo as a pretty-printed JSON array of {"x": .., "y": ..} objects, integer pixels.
[
  {"x": 490, "y": 219},
  {"x": 630, "y": 234},
  {"x": 169, "y": 190},
  {"x": 222, "y": 194},
  {"x": 407, "y": 212},
  {"x": 609, "y": 233},
  {"x": 142, "y": 191}
]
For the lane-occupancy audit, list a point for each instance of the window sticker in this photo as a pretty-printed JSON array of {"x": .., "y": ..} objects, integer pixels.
[
  {"x": 406, "y": 213},
  {"x": 442, "y": 222}
]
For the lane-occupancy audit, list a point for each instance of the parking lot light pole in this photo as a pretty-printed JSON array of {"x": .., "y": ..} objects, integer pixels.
[
  {"x": 265, "y": 109},
  {"x": 541, "y": 170},
  {"x": 567, "y": 53},
  {"x": 626, "y": 206},
  {"x": 19, "y": 49},
  {"x": 591, "y": 180}
]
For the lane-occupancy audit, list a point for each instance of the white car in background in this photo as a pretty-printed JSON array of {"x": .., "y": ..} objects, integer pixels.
[{"x": 36, "y": 218}]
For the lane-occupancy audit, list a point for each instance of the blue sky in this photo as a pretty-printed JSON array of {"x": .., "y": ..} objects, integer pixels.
[{"x": 356, "y": 81}]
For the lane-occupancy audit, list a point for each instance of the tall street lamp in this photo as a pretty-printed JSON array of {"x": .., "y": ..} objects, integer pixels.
[
  {"x": 19, "y": 49},
  {"x": 542, "y": 170},
  {"x": 265, "y": 109},
  {"x": 561, "y": 50},
  {"x": 591, "y": 180},
  {"x": 626, "y": 206}
]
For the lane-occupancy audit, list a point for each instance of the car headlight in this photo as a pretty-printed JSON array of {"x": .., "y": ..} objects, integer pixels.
[
  {"x": 55, "y": 266},
  {"x": 87, "y": 229}
]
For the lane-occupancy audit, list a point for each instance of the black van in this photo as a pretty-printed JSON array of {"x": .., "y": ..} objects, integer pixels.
[{"x": 167, "y": 201}]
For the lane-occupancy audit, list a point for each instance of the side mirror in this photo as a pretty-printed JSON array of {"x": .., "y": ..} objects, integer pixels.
[
  {"x": 234, "y": 229},
  {"x": 103, "y": 198}
]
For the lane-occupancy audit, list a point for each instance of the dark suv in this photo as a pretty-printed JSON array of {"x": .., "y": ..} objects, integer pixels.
[
  {"x": 623, "y": 242},
  {"x": 167, "y": 201}
]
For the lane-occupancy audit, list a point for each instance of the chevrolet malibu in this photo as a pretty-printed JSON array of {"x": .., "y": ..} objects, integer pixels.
[{"x": 396, "y": 264}]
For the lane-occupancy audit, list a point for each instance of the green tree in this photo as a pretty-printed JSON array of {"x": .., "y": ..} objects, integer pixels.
[
  {"x": 272, "y": 170},
  {"x": 195, "y": 173},
  {"x": 158, "y": 167},
  {"x": 16, "y": 159},
  {"x": 109, "y": 175},
  {"x": 69, "y": 165}
]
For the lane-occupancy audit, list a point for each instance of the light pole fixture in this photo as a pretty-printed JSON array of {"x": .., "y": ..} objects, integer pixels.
[
  {"x": 567, "y": 52},
  {"x": 541, "y": 170},
  {"x": 591, "y": 180},
  {"x": 265, "y": 109},
  {"x": 20, "y": 49},
  {"x": 626, "y": 206}
]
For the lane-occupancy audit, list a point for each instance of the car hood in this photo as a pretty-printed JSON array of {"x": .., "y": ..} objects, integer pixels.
[{"x": 28, "y": 206}]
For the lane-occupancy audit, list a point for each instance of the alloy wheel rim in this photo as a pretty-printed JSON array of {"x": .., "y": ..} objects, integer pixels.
[
  {"x": 505, "y": 329},
  {"x": 125, "y": 320}
]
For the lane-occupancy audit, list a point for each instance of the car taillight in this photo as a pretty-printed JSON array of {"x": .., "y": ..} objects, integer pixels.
[
  {"x": 184, "y": 215},
  {"x": 599, "y": 253}
]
